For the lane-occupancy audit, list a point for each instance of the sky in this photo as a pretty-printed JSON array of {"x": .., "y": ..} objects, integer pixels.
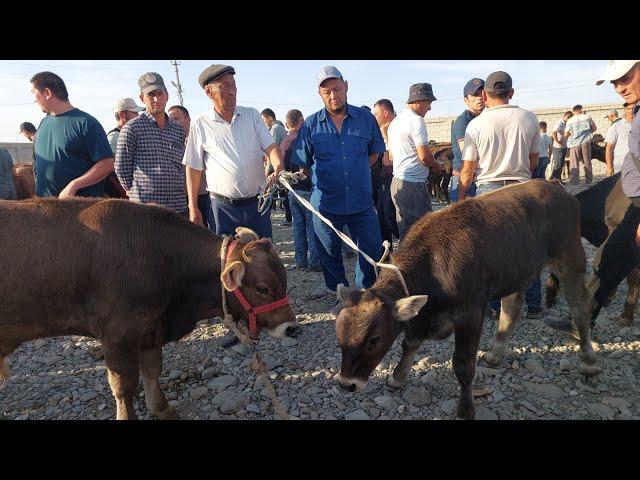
[{"x": 95, "y": 85}]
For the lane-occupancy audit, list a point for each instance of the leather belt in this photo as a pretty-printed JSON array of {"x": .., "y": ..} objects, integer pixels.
[{"x": 234, "y": 202}]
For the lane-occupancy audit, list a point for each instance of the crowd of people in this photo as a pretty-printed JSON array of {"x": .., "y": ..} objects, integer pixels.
[{"x": 366, "y": 171}]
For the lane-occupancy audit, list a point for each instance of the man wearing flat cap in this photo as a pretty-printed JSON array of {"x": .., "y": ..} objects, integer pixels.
[
  {"x": 472, "y": 96},
  {"x": 226, "y": 144},
  {"x": 411, "y": 157},
  {"x": 338, "y": 145},
  {"x": 620, "y": 253},
  {"x": 501, "y": 147},
  {"x": 150, "y": 150}
]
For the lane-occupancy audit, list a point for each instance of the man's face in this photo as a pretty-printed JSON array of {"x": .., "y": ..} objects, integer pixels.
[
  {"x": 178, "y": 115},
  {"x": 474, "y": 102},
  {"x": 41, "y": 98},
  {"x": 268, "y": 121},
  {"x": 628, "y": 86},
  {"x": 423, "y": 107},
  {"x": 155, "y": 101},
  {"x": 223, "y": 92},
  {"x": 28, "y": 135},
  {"x": 333, "y": 92},
  {"x": 382, "y": 114}
]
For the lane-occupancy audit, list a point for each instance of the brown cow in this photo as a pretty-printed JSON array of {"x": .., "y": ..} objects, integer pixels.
[
  {"x": 439, "y": 182},
  {"x": 502, "y": 241},
  {"x": 133, "y": 276},
  {"x": 24, "y": 180}
]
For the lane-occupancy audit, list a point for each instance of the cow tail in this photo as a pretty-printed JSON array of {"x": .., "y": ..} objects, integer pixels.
[{"x": 552, "y": 287}]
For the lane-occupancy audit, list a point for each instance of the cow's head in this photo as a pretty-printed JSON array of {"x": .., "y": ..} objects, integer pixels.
[
  {"x": 256, "y": 269},
  {"x": 366, "y": 328}
]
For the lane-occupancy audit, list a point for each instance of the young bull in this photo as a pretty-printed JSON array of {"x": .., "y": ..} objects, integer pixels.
[
  {"x": 453, "y": 262},
  {"x": 133, "y": 276}
]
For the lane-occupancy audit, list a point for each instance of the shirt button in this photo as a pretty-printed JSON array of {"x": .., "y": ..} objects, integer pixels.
[{"x": 344, "y": 158}]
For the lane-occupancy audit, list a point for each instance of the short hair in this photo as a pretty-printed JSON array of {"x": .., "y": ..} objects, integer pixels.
[
  {"x": 267, "y": 112},
  {"x": 181, "y": 108},
  {"x": 543, "y": 124},
  {"x": 293, "y": 117},
  {"x": 501, "y": 95},
  {"x": 385, "y": 103},
  {"x": 365, "y": 107},
  {"x": 568, "y": 112},
  {"x": 27, "y": 127},
  {"x": 51, "y": 81},
  {"x": 576, "y": 108}
]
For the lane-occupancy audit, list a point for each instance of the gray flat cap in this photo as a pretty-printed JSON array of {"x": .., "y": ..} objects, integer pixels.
[
  {"x": 213, "y": 72},
  {"x": 151, "y": 81}
]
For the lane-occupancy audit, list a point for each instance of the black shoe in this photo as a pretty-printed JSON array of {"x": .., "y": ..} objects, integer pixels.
[
  {"x": 229, "y": 340},
  {"x": 534, "y": 312},
  {"x": 317, "y": 268}
]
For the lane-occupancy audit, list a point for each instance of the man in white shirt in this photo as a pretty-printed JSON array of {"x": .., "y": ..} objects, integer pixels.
[
  {"x": 579, "y": 130},
  {"x": 228, "y": 142},
  {"x": 501, "y": 147},
  {"x": 411, "y": 157},
  {"x": 545, "y": 152},
  {"x": 559, "y": 149},
  {"x": 617, "y": 141}
]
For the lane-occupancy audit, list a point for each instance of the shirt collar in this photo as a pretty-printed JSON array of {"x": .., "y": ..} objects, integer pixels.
[
  {"x": 153, "y": 119},
  {"x": 218, "y": 118},
  {"x": 506, "y": 105},
  {"x": 351, "y": 111}
]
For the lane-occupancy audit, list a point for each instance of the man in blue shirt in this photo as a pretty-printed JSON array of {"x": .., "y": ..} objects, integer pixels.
[
  {"x": 338, "y": 144},
  {"x": 73, "y": 156},
  {"x": 472, "y": 94}
]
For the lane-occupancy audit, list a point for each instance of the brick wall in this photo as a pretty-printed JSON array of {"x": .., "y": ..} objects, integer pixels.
[{"x": 439, "y": 128}]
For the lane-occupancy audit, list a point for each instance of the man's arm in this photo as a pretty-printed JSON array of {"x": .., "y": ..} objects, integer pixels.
[
  {"x": 95, "y": 174},
  {"x": 194, "y": 178},
  {"x": 124, "y": 158},
  {"x": 554, "y": 135},
  {"x": 608, "y": 157},
  {"x": 533, "y": 161},
  {"x": 592, "y": 125},
  {"x": 466, "y": 178},
  {"x": 275, "y": 157}
]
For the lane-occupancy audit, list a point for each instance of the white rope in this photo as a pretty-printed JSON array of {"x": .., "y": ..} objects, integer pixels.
[{"x": 283, "y": 179}]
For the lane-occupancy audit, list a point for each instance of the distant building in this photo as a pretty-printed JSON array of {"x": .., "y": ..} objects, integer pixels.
[{"x": 21, "y": 152}]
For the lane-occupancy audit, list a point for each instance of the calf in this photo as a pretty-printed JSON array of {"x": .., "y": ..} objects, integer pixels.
[
  {"x": 502, "y": 241},
  {"x": 133, "y": 276}
]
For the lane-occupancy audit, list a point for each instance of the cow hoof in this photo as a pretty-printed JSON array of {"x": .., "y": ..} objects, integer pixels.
[
  {"x": 393, "y": 383},
  {"x": 589, "y": 369},
  {"x": 491, "y": 358},
  {"x": 624, "y": 321},
  {"x": 167, "y": 414}
]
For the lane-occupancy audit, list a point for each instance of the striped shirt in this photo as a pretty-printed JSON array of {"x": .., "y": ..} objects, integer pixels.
[
  {"x": 630, "y": 173},
  {"x": 148, "y": 162}
]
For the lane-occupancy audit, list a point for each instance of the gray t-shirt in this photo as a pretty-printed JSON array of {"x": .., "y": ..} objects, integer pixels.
[
  {"x": 630, "y": 173},
  {"x": 278, "y": 132}
]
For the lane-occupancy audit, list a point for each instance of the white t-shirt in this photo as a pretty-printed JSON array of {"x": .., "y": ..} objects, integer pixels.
[
  {"x": 230, "y": 153},
  {"x": 407, "y": 131},
  {"x": 559, "y": 128},
  {"x": 618, "y": 137},
  {"x": 500, "y": 139},
  {"x": 545, "y": 141}
]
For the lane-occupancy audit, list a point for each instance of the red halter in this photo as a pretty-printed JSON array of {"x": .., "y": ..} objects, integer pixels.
[{"x": 254, "y": 312}]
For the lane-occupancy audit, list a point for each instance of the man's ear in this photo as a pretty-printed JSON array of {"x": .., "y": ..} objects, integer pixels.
[{"x": 232, "y": 275}]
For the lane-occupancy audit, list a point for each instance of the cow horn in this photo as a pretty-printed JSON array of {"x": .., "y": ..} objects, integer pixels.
[
  {"x": 409, "y": 307},
  {"x": 246, "y": 235}
]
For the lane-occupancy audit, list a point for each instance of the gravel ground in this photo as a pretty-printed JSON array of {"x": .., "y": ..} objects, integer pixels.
[{"x": 63, "y": 378}]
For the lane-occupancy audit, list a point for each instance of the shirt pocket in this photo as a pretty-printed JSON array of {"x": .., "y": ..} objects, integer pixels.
[
  {"x": 360, "y": 143},
  {"x": 323, "y": 145}
]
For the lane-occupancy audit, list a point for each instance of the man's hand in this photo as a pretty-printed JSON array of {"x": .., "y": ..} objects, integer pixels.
[
  {"x": 609, "y": 171},
  {"x": 195, "y": 216},
  {"x": 69, "y": 191},
  {"x": 386, "y": 159}
]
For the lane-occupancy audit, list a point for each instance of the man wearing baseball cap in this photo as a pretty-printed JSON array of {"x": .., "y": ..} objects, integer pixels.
[
  {"x": 620, "y": 253},
  {"x": 150, "y": 149},
  {"x": 124, "y": 110},
  {"x": 338, "y": 144},
  {"x": 472, "y": 95}
]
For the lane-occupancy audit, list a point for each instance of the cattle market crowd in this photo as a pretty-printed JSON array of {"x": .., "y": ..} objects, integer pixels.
[{"x": 516, "y": 206}]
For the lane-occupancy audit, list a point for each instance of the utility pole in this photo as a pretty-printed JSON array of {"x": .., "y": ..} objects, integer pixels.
[{"x": 175, "y": 63}]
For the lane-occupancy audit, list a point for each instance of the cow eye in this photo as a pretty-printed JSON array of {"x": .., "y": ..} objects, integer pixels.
[
  {"x": 373, "y": 342},
  {"x": 262, "y": 290}
]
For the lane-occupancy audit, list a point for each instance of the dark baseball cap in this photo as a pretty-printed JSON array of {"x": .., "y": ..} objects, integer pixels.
[
  {"x": 214, "y": 72},
  {"x": 150, "y": 82},
  {"x": 498, "y": 82},
  {"x": 472, "y": 87},
  {"x": 420, "y": 91}
]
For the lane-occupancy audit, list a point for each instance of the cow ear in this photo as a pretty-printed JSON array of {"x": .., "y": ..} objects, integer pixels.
[
  {"x": 409, "y": 307},
  {"x": 232, "y": 275},
  {"x": 348, "y": 296},
  {"x": 246, "y": 235}
]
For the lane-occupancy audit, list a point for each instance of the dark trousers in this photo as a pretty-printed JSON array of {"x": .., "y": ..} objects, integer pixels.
[
  {"x": 540, "y": 170},
  {"x": 227, "y": 217},
  {"x": 204, "y": 205},
  {"x": 304, "y": 239},
  {"x": 412, "y": 201},
  {"x": 364, "y": 231},
  {"x": 385, "y": 208}
]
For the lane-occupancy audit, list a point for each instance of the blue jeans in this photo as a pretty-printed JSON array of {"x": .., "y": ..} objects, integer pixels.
[
  {"x": 454, "y": 189},
  {"x": 304, "y": 239},
  {"x": 227, "y": 217},
  {"x": 533, "y": 293},
  {"x": 541, "y": 168},
  {"x": 204, "y": 205},
  {"x": 365, "y": 232}
]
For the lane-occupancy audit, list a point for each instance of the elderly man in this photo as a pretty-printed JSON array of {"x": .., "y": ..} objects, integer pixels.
[
  {"x": 472, "y": 96},
  {"x": 620, "y": 252},
  {"x": 339, "y": 144},
  {"x": 150, "y": 150},
  {"x": 411, "y": 157},
  {"x": 227, "y": 143},
  {"x": 617, "y": 141},
  {"x": 612, "y": 116},
  {"x": 73, "y": 156},
  {"x": 124, "y": 110},
  {"x": 501, "y": 147}
]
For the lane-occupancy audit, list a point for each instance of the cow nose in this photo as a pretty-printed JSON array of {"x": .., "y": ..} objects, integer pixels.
[{"x": 349, "y": 387}]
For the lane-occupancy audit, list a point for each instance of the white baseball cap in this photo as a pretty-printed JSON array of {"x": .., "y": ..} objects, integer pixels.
[
  {"x": 616, "y": 69},
  {"x": 127, "y": 105}
]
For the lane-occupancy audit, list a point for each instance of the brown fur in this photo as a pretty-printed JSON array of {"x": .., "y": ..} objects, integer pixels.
[
  {"x": 24, "y": 181},
  {"x": 133, "y": 276},
  {"x": 501, "y": 241}
]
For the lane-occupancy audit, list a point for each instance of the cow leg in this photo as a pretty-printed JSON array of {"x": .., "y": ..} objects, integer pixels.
[
  {"x": 151, "y": 368},
  {"x": 401, "y": 372},
  {"x": 509, "y": 314},
  {"x": 5, "y": 372},
  {"x": 464, "y": 359},
  {"x": 123, "y": 376},
  {"x": 633, "y": 280}
]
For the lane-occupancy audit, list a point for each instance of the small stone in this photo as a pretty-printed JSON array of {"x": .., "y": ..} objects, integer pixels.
[
  {"x": 490, "y": 372},
  {"x": 483, "y": 413},
  {"x": 544, "y": 389},
  {"x": 535, "y": 367},
  {"x": 198, "y": 392},
  {"x": 88, "y": 396},
  {"x": 417, "y": 396},
  {"x": 174, "y": 403},
  {"x": 449, "y": 406},
  {"x": 227, "y": 361},
  {"x": 253, "y": 408},
  {"x": 240, "y": 349},
  {"x": 617, "y": 339},
  {"x": 357, "y": 415},
  {"x": 602, "y": 410},
  {"x": 573, "y": 393},
  {"x": 220, "y": 383},
  {"x": 617, "y": 354},
  {"x": 424, "y": 362},
  {"x": 386, "y": 402},
  {"x": 497, "y": 396},
  {"x": 289, "y": 342},
  {"x": 619, "y": 403},
  {"x": 235, "y": 403},
  {"x": 102, "y": 406},
  {"x": 175, "y": 374},
  {"x": 515, "y": 365},
  {"x": 481, "y": 392},
  {"x": 565, "y": 365},
  {"x": 210, "y": 372}
]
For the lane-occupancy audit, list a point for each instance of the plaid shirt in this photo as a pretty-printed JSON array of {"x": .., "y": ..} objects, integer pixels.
[{"x": 148, "y": 162}]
